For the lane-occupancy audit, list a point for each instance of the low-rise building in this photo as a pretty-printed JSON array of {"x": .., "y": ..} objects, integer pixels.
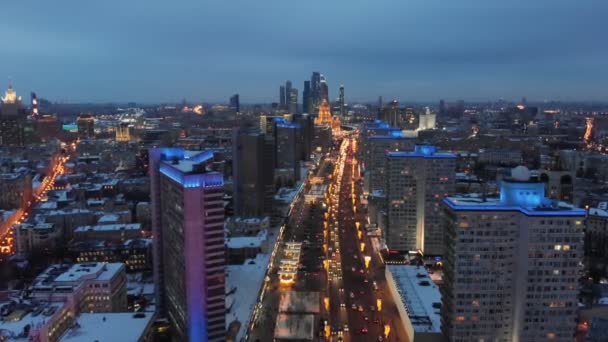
[
  {"x": 109, "y": 232},
  {"x": 418, "y": 301}
]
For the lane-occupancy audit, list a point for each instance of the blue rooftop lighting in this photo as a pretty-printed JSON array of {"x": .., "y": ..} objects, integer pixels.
[
  {"x": 192, "y": 180},
  {"x": 425, "y": 149},
  {"x": 171, "y": 153},
  {"x": 523, "y": 194}
]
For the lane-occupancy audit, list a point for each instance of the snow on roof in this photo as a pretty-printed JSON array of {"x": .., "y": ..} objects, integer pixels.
[
  {"x": 80, "y": 272},
  {"x": 108, "y": 218},
  {"x": 13, "y": 326},
  {"x": 295, "y": 327},
  {"x": 598, "y": 212},
  {"x": 299, "y": 302},
  {"x": 247, "y": 241},
  {"x": 418, "y": 298},
  {"x": 109, "y": 327},
  {"x": 247, "y": 279},
  {"x": 109, "y": 227}
]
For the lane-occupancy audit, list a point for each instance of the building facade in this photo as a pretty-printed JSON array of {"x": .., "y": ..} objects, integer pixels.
[
  {"x": 253, "y": 173},
  {"x": 416, "y": 182},
  {"x": 512, "y": 265},
  {"x": 189, "y": 251}
]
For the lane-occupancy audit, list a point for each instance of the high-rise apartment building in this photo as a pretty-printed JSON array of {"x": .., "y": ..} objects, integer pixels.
[
  {"x": 189, "y": 251},
  {"x": 511, "y": 265},
  {"x": 253, "y": 173},
  {"x": 12, "y": 119},
  {"x": 416, "y": 183},
  {"x": 375, "y": 163}
]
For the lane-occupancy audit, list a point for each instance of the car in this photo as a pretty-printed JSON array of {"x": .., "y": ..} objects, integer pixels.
[
  {"x": 353, "y": 269},
  {"x": 365, "y": 280},
  {"x": 354, "y": 306},
  {"x": 352, "y": 295},
  {"x": 360, "y": 308},
  {"x": 373, "y": 308},
  {"x": 342, "y": 305},
  {"x": 364, "y": 330},
  {"x": 345, "y": 327},
  {"x": 366, "y": 318},
  {"x": 380, "y": 338},
  {"x": 376, "y": 321}
]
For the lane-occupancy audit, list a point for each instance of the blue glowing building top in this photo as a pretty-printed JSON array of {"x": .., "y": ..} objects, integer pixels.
[
  {"x": 188, "y": 168},
  {"x": 284, "y": 123},
  {"x": 422, "y": 151},
  {"x": 517, "y": 193}
]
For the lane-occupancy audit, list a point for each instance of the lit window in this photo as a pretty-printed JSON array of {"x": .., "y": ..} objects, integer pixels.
[
  {"x": 566, "y": 248},
  {"x": 557, "y": 247},
  {"x": 460, "y": 318}
]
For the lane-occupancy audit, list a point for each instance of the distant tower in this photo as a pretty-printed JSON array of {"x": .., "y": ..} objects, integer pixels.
[
  {"x": 325, "y": 117},
  {"x": 341, "y": 100},
  {"x": 306, "y": 98},
  {"x": 292, "y": 104},
  {"x": 235, "y": 103},
  {"x": 282, "y": 97},
  {"x": 287, "y": 94},
  {"x": 34, "y": 105},
  {"x": 323, "y": 90},
  {"x": 588, "y": 129},
  {"x": 315, "y": 90},
  {"x": 12, "y": 119}
]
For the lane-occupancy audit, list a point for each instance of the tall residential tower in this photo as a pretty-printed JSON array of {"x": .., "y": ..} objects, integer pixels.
[{"x": 189, "y": 251}]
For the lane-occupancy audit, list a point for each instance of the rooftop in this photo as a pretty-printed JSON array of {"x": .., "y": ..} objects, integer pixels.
[
  {"x": 109, "y": 327},
  {"x": 109, "y": 227},
  {"x": 247, "y": 241},
  {"x": 68, "y": 275},
  {"x": 418, "y": 294}
]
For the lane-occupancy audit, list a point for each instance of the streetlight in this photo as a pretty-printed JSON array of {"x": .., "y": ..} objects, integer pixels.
[
  {"x": 367, "y": 259},
  {"x": 362, "y": 246}
]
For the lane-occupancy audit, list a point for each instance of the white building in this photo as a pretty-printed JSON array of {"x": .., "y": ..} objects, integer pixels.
[
  {"x": 428, "y": 120},
  {"x": 416, "y": 182},
  {"x": 512, "y": 267}
]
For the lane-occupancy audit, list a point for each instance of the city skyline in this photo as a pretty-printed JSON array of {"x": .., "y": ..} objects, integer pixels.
[{"x": 412, "y": 52}]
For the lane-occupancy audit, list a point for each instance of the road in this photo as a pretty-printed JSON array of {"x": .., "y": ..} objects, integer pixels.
[
  {"x": 356, "y": 291},
  {"x": 6, "y": 232}
]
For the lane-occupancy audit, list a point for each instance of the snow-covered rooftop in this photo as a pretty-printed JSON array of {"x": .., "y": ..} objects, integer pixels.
[
  {"x": 109, "y": 327},
  {"x": 418, "y": 294},
  {"x": 247, "y": 241},
  {"x": 109, "y": 227}
]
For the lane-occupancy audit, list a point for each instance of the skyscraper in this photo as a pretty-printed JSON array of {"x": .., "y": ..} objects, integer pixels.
[
  {"x": 306, "y": 98},
  {"x": 189, "y": 251},
  {"x": 235, "y": 103},
  {"x": 282, "y": 97},
  {"x": 323, "y": 90},
  {"x": 253, "y": 173},
  {"x": 341, "y": 101},
  {"x": 375, "y": 159},
  {"x": 512, "y": 265},
  {"x": 287, "y": 94},
  {"x": 12, "y": 119},
  {"x": 288, "y": 149},
  {"x": 416, "y": 183},
  {"x": 293, "y": 101},
  {"x": 315, "y": 88}
]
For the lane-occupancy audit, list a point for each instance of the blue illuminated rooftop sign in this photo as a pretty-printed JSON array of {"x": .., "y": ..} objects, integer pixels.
[
  {"x": 192, "y": 180},
  {"x": 529, "y": 212},
  {"x": 422, "y": 151}
]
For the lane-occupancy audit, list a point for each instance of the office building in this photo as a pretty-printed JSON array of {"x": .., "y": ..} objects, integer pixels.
[
  {"x": 47, "y": 127},
  {"x": 315, "y": 88},
  {"x": 288, "y": 150},
  {"x": 12, "y": 119},
  {"x": 341, "y": 101},
  {"x": 390, "y": 114},
  {"x": 416, "y": 182},
  {"x": 86, "y": 126},
  {"x": 235, "y": 103},
  {"x": 512, "y": 265},
  {"x": 307, "y": 134},
  {"x": 282, "y": 97},
  {"x": 253, "y": 173},
  {"x": 189, "y": 252},
  {"x": 307, "y": 98},
  {"x": 293, "y": 101},
  {"x": 323, "y": 90}
]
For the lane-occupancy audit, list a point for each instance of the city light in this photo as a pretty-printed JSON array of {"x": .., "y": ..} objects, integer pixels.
[{"x": 367, "y": 259}]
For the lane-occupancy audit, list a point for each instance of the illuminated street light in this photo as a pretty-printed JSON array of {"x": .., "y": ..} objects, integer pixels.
[
  {"x": 359, "y": 234},
  {"x": 362, "y": 246},
  {"x": 357, "y": 224},
  {"x": 326, "y": 303},
  {"x": 379, "y": 304},
  {"x": 387, "y": 330},
  {"x": 367, "y": 259}
]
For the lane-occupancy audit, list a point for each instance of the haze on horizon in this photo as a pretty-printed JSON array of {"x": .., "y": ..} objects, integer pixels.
[{"x": 156, "y": 51}]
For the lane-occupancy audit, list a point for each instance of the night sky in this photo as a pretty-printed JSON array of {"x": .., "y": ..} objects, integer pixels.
[{"x": 412, "y": 50}]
